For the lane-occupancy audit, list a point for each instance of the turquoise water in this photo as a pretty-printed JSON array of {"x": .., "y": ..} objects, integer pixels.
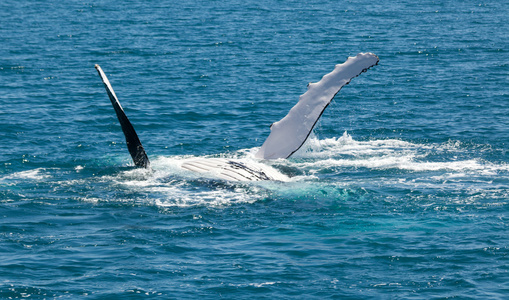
[{"x": 402, "y": 192}]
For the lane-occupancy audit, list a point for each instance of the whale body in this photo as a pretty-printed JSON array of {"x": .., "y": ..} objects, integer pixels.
[{"x": 286, "y": 136}]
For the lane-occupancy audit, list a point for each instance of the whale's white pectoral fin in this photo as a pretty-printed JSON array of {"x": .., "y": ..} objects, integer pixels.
[{"x": 290, "y": 133}]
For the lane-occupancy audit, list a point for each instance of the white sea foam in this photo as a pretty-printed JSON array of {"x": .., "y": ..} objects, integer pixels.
[
  {"x": 35, "y": 174},
  {"x": 404, "y": 162},
  {"x": 386, "y": 154}
]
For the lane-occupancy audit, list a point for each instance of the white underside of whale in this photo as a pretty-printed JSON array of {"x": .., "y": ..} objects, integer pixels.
[{"x": 233, "y": 169}]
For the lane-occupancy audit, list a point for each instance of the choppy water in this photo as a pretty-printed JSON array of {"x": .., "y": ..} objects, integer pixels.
[{"x": 401, "y": 193}]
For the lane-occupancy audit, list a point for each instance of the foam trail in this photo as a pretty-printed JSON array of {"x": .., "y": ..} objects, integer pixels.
[{"x": 346, "y": 152}]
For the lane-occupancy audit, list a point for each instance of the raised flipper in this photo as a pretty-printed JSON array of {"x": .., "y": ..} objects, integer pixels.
[
  {"x": 133, "y": 142},
  {"x": 290, "y": 133}
]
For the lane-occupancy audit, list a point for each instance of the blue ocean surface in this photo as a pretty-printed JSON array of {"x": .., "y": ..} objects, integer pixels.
[{"x": 401, "y": 192}]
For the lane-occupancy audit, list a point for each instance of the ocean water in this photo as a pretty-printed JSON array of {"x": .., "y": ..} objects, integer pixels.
[{"x": 401, "y": 193}]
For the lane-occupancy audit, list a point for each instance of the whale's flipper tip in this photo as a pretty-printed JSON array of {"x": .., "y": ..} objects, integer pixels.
[
  {"x": 134, "y": 145},
  {"x": 290, "y": 133}
]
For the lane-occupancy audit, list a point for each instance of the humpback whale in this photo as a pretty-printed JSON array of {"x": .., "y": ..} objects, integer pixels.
[{"x": 285, "y": 138}]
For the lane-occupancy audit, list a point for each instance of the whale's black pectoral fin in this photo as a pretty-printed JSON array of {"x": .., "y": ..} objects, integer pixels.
[{"x": 133, "y": 142}]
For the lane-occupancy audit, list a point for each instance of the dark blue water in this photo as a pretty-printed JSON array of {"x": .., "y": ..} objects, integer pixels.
[{"x": 401, "y": 193}]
